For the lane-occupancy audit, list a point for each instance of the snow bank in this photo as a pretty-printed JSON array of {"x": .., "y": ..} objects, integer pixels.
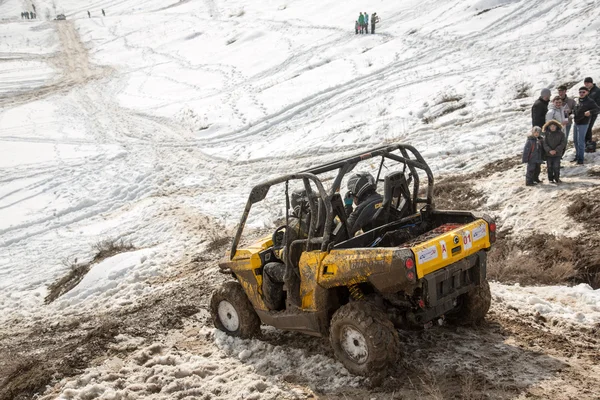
[{"x": 579, "y": 304}]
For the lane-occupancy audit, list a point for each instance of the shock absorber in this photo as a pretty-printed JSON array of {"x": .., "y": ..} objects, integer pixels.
[{"x": 355, "y": 292}]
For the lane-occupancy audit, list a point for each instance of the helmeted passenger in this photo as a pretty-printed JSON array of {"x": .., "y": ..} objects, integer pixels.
[{"x": 362, "y": 191}]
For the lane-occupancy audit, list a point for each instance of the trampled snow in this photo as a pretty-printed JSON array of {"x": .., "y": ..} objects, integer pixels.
[{"x": 184, "y": 106}]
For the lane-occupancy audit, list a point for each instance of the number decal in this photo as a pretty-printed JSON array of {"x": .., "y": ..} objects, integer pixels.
[{"x": 467, "y": 240}]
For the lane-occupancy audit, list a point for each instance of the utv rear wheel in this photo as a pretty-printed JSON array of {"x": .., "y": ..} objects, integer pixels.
[
  {"x": 232, "y": 312},
  {"x": 474, "y": 305},
  {"x": 364, "y": 339}
]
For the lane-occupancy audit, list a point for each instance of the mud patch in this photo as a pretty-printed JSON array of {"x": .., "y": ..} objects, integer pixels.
[
  {"x": 34, "y": 357},
  {"x": 496, "y": 166},
  {"x": 49, "y": 356},
  {"x": 104, "y": 249},
  {"x": 585, "y": 208},
  {"x": 455, "y": 194},
  {"x": 67, "y": 282},
  {"x": 545, "y": 259}
]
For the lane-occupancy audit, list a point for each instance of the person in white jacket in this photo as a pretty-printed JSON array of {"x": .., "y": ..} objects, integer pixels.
[{"x": 556, "y": 111}]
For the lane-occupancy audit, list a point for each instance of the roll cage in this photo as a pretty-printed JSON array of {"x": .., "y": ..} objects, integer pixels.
[{"x": 322, "y": 200}]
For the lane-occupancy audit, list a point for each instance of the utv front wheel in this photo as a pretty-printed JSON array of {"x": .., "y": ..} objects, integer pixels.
[
  {"x": 474, "y": 305},
  {"x": 232, "y": 312},
  {"x": 364, "y": 339}
]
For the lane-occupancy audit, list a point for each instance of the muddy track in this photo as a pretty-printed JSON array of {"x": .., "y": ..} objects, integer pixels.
[
  {"x": 72, "y": 64},
  {"x": 510, "y": 355}
]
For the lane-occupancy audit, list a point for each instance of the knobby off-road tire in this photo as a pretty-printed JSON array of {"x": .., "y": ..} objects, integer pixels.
[
  {"x": 474, "y": 305},
  {"x": 364, "y": 339},
  {"x": 232, "y": 312}
]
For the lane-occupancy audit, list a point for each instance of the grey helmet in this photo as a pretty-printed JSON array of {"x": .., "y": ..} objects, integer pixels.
[
  {"x": 299, "y": 202},
  {"x": 361, "y": 183}
]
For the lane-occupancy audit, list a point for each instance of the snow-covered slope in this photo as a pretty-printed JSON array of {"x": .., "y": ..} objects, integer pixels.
[{"x": 151, "y": 124}]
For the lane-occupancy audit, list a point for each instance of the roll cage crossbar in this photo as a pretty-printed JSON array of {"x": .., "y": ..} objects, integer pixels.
[{"x": 259, "y": 192}]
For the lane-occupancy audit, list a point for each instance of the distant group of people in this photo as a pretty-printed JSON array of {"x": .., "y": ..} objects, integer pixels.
[
  {"x": 90, "y": 14},
  {"x": 28, "y": 15},
  {"x": 551, "y": 124},
  {"x": 361, "y": 25}
]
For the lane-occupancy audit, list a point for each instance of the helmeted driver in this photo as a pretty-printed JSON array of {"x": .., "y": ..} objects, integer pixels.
[
  {"x": 362, "y": 191},
  {"x": 274, "y": 272}
]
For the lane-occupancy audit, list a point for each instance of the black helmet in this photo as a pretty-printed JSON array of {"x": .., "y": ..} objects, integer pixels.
[
  {"x": 361, "y": 183},
  {"x": 299, "y": 202}
]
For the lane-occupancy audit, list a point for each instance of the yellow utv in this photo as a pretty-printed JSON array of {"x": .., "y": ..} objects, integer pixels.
[{"x": 419, "y": 266}]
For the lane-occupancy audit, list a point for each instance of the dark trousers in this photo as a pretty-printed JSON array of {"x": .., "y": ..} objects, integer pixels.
[
  {"x": 533, "y": 172},
  {"x": 273, "y": 294},
  {"x": 372, "y": 28},
  {"x": 588, "y": 134},
  {"x": 553, "y": 165}
]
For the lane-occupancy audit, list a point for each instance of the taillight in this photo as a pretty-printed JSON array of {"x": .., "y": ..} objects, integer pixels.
[
  {"x": 492, "y": 232},
  {"x": 409, "y": 264}
]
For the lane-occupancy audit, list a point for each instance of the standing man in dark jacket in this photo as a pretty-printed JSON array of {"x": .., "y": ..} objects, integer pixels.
[
  {"x": 540, "y": 108},
  {"x": 362, "y": 192},
  {"x": 594, "y": 95},
  {"x": 374, "y": 20},
  {"x": 584, "y": 110},
  {"x": 554, "y": 144}
]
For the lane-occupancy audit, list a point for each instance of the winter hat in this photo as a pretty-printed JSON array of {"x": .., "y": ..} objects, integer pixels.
[
  {"x": 588, "y": 80},
  {"x": 545, "y": 92},
  {"x": 536, "y": 129},
  {"x": 584, "y": 88},
  {"x": 546, "y": 126}
]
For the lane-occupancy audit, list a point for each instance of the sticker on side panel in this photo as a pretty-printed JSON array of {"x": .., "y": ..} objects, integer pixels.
[
  {"x": 479, "y": 232},
  {"x": 467, "y": 240},
  {"x": 427, "y": 254},
  {"x": 444, "y": 249}
]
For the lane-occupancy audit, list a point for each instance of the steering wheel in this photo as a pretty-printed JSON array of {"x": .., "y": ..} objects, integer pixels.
[{"x": 278, "y": 236}]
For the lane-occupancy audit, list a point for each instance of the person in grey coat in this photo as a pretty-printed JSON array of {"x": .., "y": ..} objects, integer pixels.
[
  {"x": 532, "y": 156},
  {"x": 557, "y": 111},
  {"x": 569, "y": 104},
  {"x": 554, "y": 144}
]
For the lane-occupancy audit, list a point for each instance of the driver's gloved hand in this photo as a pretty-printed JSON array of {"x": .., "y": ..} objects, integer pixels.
[{"x": 348, "y": 198}]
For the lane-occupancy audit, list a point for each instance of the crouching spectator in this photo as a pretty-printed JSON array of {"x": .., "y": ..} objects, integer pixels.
[
  {"x": 554, "y": 144},
  {"x": 532, "y": 156}
]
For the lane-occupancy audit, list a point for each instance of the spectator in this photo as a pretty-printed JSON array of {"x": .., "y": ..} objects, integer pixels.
[
  {"x": 103, "y": 13},
  {"x": 595, "y": 96},
  {"x": 89, "y": 15},
  {"x": 540, "y": 108},
  {"x": 584, "y": 110},
  {"x": 34, "y": 15},
  {"x": 532, "y": 156},
  {"x": 374, "y": 20},
  {"x": 569, "y": 105},
  {"x": 366, "y": 22},
  {"x": 554, "y": 144},
  {"x": 556, "y": 111},
  {"x": 361, "y": 22},
  {"x": 30, "y": 14}
]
